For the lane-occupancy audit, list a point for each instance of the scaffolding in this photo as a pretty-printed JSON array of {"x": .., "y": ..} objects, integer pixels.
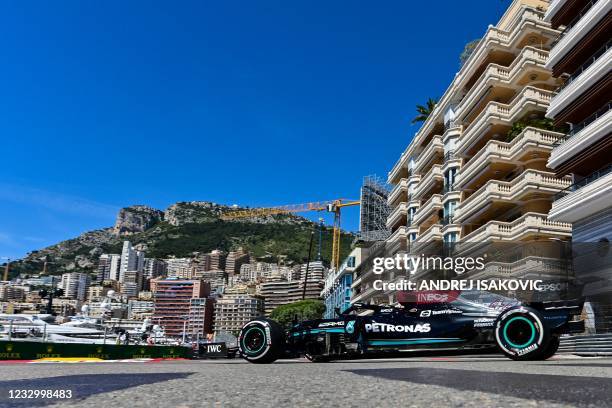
[{"x": 374, "y": 209}]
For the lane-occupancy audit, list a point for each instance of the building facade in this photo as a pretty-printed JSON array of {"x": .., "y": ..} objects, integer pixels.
[
  {"x": 181, "y": 306},
  {"x": 131, "y": 260},
  {"x": 582, "y": 58},
  {"x": 476, "y": 171},
  {"x": 278, "y": 291},
  {"x": 236, "y": 308},
  {"x": 337, "y": 291},
  {"x": 75, "y": 285}
]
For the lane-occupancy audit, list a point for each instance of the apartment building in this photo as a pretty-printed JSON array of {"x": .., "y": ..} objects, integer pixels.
[
  {"x": 154, "y": 268},
  {"x": 312, "y": 284},
  {"x": 12, "y": 293},
  {"x": 75, "y": 285},
  {"x": 108, "y": 267},
  {"x": 218, "y": 280},
  {"x": 278, "y": 291},
  {"x": 235, "y": 308},
  {"x": 131, "y": 260},
  {"x": 476, "y": 171},
  {"x": 235, "y": 260},
  {"x": 337, "y": 291},
  {"x": 182, "y": 306},
  {"x": 217, "y": 259},
  {"x": 179, "y": 268},
  {"x": 582, "y": 58}
]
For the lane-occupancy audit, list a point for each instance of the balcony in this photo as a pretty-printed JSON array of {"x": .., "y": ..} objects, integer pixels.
[
  {"x": 508, "y": 154},
  {"x": 432, "y": 180},
  {"x": 531, "y": 60},
  {"x": 585, "y": 134},
  {"x": 577, "y": 29},
  {"x": 527, "y": 226},
  {"x": 432, "y": 235},
  {"x": 591, "y": 72},
  {"x": 430, "y": 207},
  {"x": 400, "y": 234},
  {"x": 527, "y": 22},
  {"x": 497, "y": 196},
  {"x": 529, "y": 99},
  {"x": 397, "y": 216},
  {"x": 528, "y": 267},
  {"x": 433, "y": 153},
  {"x": 399, "y": 170},
  {"x": 584, "y": 198},
  {"x": 399, "y": 193}
]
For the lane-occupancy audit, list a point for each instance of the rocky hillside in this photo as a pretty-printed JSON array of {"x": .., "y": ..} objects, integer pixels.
[{"x": 183, "y": 229}]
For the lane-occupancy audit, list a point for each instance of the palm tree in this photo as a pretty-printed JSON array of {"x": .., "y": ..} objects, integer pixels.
[{"x": 424, "y": 111}]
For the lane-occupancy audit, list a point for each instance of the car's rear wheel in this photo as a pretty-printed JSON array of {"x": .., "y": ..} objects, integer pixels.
[
  {"x": 521, "y": 334},
  {"x": 551, "y": 349},
  {"x": 261, "y": 341}
]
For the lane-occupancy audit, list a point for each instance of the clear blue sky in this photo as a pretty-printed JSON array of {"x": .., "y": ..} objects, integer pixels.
[{"x": 111, "y": 103}]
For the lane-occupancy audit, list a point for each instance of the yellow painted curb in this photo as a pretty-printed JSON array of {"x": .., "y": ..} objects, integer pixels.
[{"x": 70, "y": 359}]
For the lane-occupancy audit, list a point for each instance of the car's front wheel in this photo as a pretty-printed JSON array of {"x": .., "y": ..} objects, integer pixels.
[
  {"x": 521, "y": 334},
  {"x": 261, "y": 341}
]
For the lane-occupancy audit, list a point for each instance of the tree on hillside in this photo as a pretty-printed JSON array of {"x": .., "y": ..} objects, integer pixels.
[
  {"x": 424, "y": 111},
  {"x": 304, "y": 310}
]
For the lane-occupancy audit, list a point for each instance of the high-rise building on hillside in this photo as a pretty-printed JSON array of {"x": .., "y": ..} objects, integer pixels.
[
  {"x": 278, "y": 291},
  {"x": 154, "y": 268},
  {"x": 108, "y": 267},
  {"x": 217, "y": 260},
  {"x": 75, "y": 285},
  {"x": 131, "y": 260},
  {"x": 235, "y": 260},
  {"x": 314, "y": 281},
  {"x": 235, "y": 308},
  {"x": 183, "y": 306}
]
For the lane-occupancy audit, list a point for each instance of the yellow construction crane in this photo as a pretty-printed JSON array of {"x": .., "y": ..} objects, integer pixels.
[{"x": 333, "y": 206}]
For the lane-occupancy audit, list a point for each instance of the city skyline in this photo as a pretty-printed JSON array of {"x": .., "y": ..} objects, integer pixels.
[{"x": 237, "y": 93}]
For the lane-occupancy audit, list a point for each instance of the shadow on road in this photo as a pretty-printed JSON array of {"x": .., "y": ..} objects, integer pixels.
[
  {"x": 579, "y": 391},
  {"x": 82, "y": 386}
]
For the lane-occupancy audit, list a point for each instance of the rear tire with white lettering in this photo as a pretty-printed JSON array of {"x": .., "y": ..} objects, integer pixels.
[
  {"x": 521, "y": 334},
  {"x": 261, "y": 341},
  {"x": 551, "y": 349}
]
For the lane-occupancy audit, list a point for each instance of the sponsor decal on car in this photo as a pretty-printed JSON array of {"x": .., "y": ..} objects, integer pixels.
[
  {"x": 389, "y": 328},
  {"x": 428, "y": 313},
  {"x": 331, "y": 324},
  {"x": 484, "y": 322},
  {"x": 350, "y": 327}
]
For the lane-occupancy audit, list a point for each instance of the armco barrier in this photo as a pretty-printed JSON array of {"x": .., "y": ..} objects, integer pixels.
[{"x": 587, "y": 345}]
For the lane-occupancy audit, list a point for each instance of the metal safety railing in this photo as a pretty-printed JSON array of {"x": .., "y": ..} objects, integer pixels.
[{"x": 583, "y": 182}]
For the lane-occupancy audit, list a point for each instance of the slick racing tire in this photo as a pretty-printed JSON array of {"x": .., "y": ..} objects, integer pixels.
[
  {"x": 552, "y": 348},
  {"x": 521, "y": 334},
  {"x": 261, "y": 341}
]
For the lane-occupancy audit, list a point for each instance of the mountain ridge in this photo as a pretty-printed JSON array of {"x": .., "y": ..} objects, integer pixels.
[{"x": 184, "y": 229}]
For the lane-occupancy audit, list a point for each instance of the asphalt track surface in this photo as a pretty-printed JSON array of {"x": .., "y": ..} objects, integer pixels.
[{"x": 474, "y": 381}]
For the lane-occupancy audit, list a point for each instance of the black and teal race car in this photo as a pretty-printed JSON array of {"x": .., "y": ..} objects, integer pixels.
[{"x": 520, "y": 331}]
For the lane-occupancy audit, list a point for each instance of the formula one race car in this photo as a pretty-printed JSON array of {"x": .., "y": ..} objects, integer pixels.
[{"x": 521, "y": 332}]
